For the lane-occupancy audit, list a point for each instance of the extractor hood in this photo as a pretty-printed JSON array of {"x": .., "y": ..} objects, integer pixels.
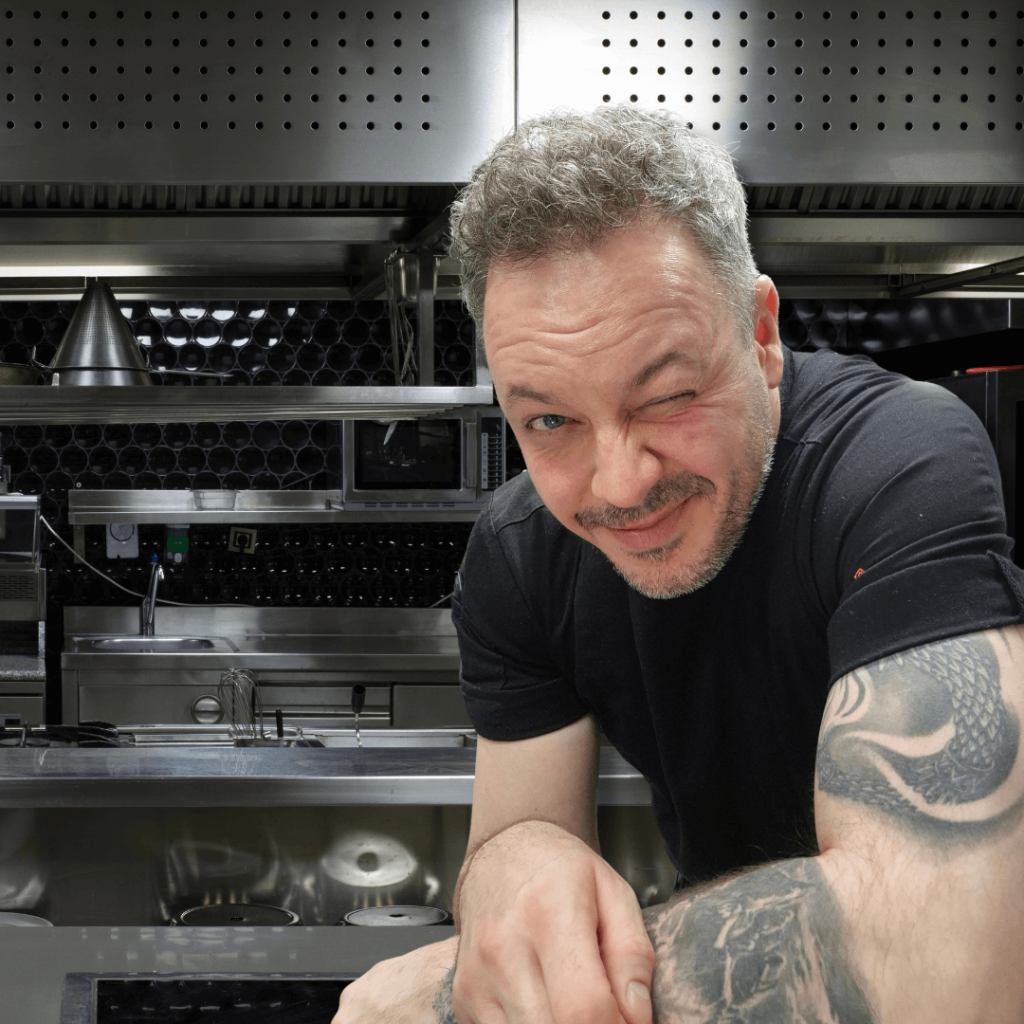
[{"x": 225, "y": 150}]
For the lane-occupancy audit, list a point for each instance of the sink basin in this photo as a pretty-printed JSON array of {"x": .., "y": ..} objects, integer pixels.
[{"x": 154, "y": 644}]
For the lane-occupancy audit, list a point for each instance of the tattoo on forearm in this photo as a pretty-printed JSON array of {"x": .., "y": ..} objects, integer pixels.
[
  {"x": 926, "y": 737},
  {"x": 764, "y": 947},
  {"x": 443, "y": 999}
]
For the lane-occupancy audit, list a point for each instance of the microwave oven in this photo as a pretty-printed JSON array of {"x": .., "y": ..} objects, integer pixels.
[{"x": 450, "y": 461}]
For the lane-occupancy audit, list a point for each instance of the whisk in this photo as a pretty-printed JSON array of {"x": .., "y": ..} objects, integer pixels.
[{"x": 239, "y": 695}]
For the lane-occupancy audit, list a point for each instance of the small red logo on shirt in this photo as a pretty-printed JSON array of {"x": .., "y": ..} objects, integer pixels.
[{"x": 857, "y": 575}]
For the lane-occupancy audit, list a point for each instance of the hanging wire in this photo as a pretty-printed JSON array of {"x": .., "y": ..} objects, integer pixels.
[
  {"x": 239, "y": 695},
  {"x": 402, "y": 333}
]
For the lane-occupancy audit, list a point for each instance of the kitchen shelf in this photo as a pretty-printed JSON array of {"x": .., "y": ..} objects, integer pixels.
[
  {"x": 44, "y": 404},
  {"x": 266, "y": 777},
  {"x": 86, "y": 508}
]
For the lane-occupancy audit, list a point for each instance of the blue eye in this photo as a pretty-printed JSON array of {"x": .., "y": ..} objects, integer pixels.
[{"x": 549, "y": 422}]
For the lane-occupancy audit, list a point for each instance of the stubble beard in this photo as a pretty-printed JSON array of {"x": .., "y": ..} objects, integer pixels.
[{"x": 745, "y": 486}]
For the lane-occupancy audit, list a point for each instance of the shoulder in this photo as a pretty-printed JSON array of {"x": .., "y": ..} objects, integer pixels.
[
  {"x": 849, "y": 403},
  {"x": 517, "y": 529}
]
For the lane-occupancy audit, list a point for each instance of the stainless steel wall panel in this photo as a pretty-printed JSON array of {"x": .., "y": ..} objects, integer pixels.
[
  {"x": 846, "y": 92},
  {"x": 266, "y": 95}
]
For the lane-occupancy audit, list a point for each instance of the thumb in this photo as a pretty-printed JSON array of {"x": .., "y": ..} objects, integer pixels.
[{"x": 626, "y": 949}]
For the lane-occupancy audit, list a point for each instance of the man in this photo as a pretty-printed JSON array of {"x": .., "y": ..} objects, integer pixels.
[{"x": 777, "y": 582}]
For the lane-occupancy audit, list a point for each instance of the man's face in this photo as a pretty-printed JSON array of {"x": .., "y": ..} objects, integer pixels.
[{"x": 647, "y": 425}]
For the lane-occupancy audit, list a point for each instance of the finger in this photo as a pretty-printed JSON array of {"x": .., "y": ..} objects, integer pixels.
[
  {"x": 493, "y": 996},
  {"x": 626, "y": 950},
  {"x": 577, "y": 984}
]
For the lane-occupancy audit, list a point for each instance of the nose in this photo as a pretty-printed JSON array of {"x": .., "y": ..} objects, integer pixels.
[{"x": 625, "y": 469}]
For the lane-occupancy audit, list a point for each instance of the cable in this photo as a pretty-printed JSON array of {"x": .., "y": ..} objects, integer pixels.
[
  {"x": 109, "y": 579},
  {"x": 441, "y": 600}
]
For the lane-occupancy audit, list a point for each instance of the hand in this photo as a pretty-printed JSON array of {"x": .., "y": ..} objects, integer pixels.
[
  {"x": 398, "y": 991},
  {"x": 550, "y": 934}
]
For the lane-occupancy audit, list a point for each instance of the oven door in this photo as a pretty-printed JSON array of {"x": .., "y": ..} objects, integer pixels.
[{"x": 424, "y": 461}]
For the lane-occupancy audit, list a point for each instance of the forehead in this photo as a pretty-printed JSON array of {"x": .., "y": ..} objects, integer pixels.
[{"x": 647, "y": 282}]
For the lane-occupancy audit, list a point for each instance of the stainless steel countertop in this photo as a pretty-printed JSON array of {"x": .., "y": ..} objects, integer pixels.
[
  {"x": 265, "y": 777},
  {"x": 294, "y": 653},
  {"x": 34, "y": 961},
  {"x": 284, "y": 639}
]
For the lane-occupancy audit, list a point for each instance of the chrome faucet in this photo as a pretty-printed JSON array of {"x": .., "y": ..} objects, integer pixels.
[{"x": 147, "y": 612}]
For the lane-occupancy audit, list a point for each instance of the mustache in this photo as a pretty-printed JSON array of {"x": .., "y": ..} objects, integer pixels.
[{"x": 667, "y": 491}]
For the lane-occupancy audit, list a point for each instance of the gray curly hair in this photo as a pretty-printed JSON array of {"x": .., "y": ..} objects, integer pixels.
[{"x": 560, "y": 184}]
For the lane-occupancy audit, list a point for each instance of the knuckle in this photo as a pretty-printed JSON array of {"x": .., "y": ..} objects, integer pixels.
[
  {"x": 584, "y": 1008},
  {"x": 488, "y": 944}
]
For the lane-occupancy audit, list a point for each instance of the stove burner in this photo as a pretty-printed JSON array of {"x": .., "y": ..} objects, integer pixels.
[
  {"x": 397, "y": 916},
  {"x": 228, "y": 915}
]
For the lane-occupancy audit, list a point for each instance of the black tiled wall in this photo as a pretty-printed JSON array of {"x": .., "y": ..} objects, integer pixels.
[{"x": 262, "y": 344}]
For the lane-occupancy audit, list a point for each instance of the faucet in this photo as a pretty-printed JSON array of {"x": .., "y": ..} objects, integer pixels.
[{"x": 147, "y": 612}]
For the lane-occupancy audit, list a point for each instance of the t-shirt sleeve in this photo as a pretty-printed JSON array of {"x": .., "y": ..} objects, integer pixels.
[
  {"x": 910, "y": 532},
  {"x": 514, "y": 682}
]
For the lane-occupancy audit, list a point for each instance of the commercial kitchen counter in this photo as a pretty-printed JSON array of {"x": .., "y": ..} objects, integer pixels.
[
  {"x": 34, "y": 961},
  {"x": 188, "y": 776}
]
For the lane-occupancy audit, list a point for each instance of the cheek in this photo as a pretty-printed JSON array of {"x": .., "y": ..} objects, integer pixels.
[
  {"x": 697, "y": 442},
  {"x": 560, "y": 482}
]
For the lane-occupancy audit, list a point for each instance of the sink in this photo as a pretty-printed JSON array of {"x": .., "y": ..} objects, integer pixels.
[{"x": 158, "y": 644}]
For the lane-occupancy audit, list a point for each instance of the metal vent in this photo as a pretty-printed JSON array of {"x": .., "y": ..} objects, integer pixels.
[
  {"x": 219, "y": 198},
  {"x": 182, "y": 92},
  {"x": 882, "y": 198},
  {"x": 847, "y": 92}
]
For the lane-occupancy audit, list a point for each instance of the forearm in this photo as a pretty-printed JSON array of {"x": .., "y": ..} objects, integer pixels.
[
  {"x": 765, "y": 945},
  {"x": 839, "y": 938},
  {"x": 443, "y": 999},
  {"x": 533, "y": 822}
]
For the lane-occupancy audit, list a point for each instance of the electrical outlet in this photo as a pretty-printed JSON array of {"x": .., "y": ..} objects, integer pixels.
[
  {"x": 176, "y": 543},
  {"x": 242, "y": 540}
]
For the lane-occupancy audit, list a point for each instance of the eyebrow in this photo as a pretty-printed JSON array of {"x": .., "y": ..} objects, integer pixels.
[
  {"x": 527, "y": 393},
  {"x": 652, "y": 369}
]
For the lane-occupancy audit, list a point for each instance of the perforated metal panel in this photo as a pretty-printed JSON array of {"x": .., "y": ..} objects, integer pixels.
[
  {"x": 264, "y": 93},
  {"x": 803, "y": 91}
]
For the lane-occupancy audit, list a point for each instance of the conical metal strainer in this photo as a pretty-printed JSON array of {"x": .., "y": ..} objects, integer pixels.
[{"x": 99, "y": 348}]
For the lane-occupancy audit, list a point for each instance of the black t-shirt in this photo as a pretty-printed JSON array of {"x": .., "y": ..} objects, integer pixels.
[{"x": 881, "y": 527}]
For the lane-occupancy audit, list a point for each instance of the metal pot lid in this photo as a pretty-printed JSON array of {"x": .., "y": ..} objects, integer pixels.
[
  {"x": 396, "y": 917},
  {"x": 244, "y": 915}
]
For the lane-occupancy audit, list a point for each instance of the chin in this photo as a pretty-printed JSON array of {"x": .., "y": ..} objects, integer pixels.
[{"x": 662, "y": 582}]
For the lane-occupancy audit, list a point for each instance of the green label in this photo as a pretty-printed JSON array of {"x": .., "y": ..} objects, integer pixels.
[{"x": 178, "y": 544}]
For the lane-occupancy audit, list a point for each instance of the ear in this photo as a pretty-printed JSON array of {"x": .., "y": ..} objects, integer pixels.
[{"x": 766, "y": 330}]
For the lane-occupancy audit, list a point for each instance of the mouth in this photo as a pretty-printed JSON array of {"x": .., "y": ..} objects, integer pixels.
[{"x": 656, "y": 531}]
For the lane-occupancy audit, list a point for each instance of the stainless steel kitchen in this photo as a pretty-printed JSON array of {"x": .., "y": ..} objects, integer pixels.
[{"x": 286, "y": 566}]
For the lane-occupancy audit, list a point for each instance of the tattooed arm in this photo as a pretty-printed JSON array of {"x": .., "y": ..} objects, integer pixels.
[
  {"x": 913, "y": 911},
  {"x": 914, "y": 908}
]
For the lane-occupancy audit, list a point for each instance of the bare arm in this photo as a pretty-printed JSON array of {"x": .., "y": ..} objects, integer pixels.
[
  {"x": 551, "y": 778},
  {"x": 549, "y": 932},
  {"x": 538, "y": 893},
  {"x": 914, "y": 908}
]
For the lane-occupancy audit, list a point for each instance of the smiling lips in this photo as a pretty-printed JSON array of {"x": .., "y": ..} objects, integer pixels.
[{"x": 655, "y": 532}]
